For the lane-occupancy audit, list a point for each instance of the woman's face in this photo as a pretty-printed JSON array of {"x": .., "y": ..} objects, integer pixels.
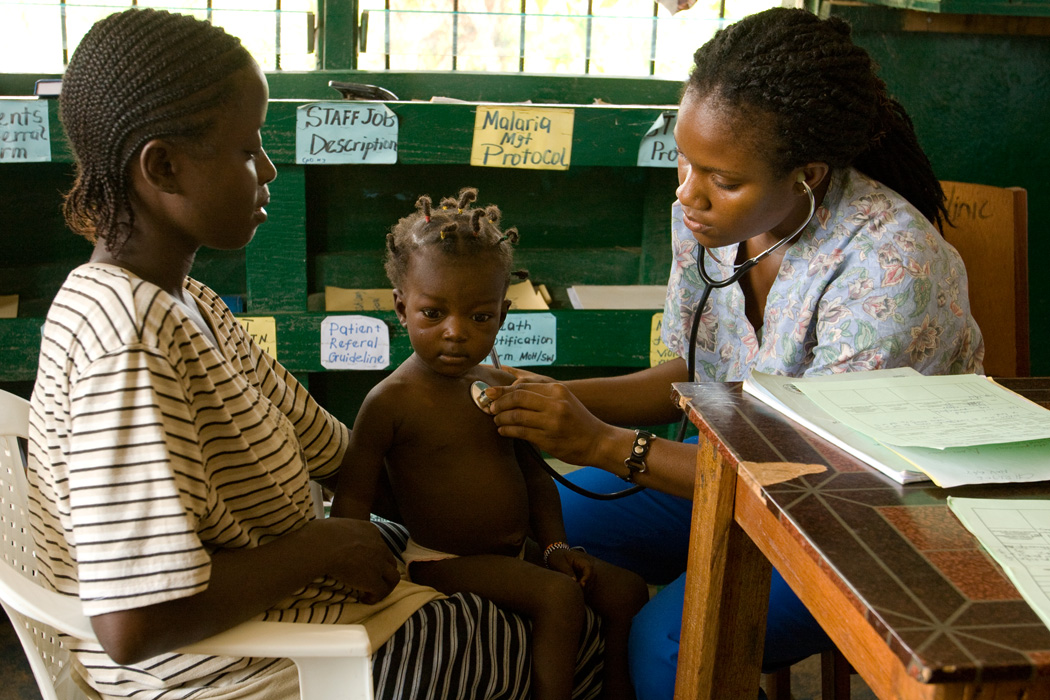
[
  {"x": 727, "y": 189},
  {"x": 225, "y": 185}
]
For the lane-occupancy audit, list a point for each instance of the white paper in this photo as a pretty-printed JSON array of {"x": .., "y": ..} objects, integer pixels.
[
  {"x": 345, "y": 132},
  {"x": 354, "y": 342},
  {"x": 658, "y": 148},
  {"x": 1016, "y": 533},
  {"x": 958, "y": 410},
  {"x": 1014, "y": 462},
  {"x": 782, "y": 393}
]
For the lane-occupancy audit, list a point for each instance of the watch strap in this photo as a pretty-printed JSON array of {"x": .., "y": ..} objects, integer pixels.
[{"x": 635, "y": 462}]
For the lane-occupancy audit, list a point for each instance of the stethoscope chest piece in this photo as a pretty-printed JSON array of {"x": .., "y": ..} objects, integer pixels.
[{"x": 477, "y": 392}]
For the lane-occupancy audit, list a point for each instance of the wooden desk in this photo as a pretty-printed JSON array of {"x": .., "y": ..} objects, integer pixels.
[{"x": 901, "y": 587}]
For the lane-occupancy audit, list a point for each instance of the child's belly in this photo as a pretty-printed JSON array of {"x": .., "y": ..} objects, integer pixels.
[{"x": 464, "y": 508}]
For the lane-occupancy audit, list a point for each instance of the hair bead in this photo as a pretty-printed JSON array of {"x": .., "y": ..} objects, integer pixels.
[{"x": 460, "y": 231}]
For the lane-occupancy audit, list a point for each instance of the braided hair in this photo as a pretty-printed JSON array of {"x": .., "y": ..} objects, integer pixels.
[
  {"x": 137, "y": 75},
  {"x": 826, "y": 100},
  {"x": 454, "y": 228}
]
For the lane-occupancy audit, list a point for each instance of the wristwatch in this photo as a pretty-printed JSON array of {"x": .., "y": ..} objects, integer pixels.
[{"x": 635, "y": 462}]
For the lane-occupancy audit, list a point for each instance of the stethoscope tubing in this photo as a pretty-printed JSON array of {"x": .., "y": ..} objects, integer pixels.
[
  {"x": 494, "y": 358},
  {"x": 710, "y": 283}
]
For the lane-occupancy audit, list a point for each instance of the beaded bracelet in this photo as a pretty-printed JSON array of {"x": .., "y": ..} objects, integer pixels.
[{"x": 551, "y": 548}]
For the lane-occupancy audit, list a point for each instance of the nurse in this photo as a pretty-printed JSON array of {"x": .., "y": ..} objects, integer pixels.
[{"x": 777, "y": 104}]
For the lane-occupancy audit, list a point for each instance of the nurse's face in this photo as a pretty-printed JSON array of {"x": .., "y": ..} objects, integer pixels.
[{"x": 727, "y": 189}]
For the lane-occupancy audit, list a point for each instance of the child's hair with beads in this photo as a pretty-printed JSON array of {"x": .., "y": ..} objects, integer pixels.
[
  {"x": 454, "y": 228},
  {"x": 137, "y": 75}
]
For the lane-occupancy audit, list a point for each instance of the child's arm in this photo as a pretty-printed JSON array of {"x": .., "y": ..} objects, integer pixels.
[
  {"x": 545, "y": 512},
  {"x": 362, "y": 466}
]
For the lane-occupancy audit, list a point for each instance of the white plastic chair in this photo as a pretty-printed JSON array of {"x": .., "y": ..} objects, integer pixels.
[{"x": 334, "y": 661}]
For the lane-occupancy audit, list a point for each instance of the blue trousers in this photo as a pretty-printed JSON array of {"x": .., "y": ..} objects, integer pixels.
[{"x": 648, "y": 533}]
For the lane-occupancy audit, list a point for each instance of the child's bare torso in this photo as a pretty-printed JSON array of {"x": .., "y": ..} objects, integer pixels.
[{"x": 456, "y": 481}]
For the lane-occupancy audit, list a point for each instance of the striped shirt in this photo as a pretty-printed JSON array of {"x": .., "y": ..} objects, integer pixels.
[{"x": 150, "y": 449}]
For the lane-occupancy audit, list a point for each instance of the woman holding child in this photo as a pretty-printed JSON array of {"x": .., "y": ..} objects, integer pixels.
[
  {"x": 777, "y": 104},
  {"x": 169, "y": 454}
]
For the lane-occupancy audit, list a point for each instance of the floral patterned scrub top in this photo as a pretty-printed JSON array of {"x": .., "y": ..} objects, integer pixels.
[{"x": 869, "y": 284}]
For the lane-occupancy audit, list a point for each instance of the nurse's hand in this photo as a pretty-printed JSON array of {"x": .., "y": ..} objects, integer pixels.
[
  {"x": 524, "y": 376},
  {"x": 550, "y": 417}
]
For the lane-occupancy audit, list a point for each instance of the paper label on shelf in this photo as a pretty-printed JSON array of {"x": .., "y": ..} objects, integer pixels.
[
  {"x": 345, "y": 132},
  {"x": 25, "y": 136},
  {"x": 528, "y": 339},
  {"x": 530, "y": 138},
  {"x": 263, "y": 330},
  {"x": 658, "y": 148},
  {"x": 354, "y": 342},
  {"x": 659, "y": 353}
]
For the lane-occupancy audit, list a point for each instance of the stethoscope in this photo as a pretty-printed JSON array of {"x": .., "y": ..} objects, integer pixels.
[
  {"x": 477, "y": 389},
  {"x": 739, "y": 270},
  {"x": 477, "y": 392}
]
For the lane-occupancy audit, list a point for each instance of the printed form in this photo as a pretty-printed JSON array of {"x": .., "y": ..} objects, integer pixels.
[
  {"x": 1016, "y": 533},
  {"x": 957, "y": 429},
  {"x": 957, "y": 410}
]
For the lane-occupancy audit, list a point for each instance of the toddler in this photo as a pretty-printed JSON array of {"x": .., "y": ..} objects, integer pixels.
[{"x": 483, "y": 515}]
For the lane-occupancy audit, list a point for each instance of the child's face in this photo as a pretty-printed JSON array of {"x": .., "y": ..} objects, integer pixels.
[
  {"x": 224, "y": 184},
  {"x": 453, "y": 308}
]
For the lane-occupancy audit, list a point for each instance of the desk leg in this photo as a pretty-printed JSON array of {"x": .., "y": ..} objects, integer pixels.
[{"x": 726, "y": 593}]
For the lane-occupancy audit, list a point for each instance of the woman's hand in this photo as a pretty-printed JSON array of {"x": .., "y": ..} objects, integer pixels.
[
  {"x": 549, "y": 416},
  {"x": 245, "y": 582},
  {"x": 524, "y": 376},
  {"x": 358, "y": 557}
]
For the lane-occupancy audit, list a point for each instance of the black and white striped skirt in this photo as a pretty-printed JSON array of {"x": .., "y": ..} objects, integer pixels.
[{"x": 465, "y": 648}]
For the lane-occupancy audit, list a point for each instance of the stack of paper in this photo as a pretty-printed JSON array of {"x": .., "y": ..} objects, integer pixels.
[
  {"x": 524, "y": 296},
  {"x": 612, "y": 296},
  {"x": 955, "y": 430}
]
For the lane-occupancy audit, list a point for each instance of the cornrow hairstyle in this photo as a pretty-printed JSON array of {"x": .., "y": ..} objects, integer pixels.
[
  {"x": 137, "y": 75},
  {"x": 826, "y": 100},
  {"x": 455, "y": 229}
]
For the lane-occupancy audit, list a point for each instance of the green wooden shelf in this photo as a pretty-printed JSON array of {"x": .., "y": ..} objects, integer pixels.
[
  {"x": 602, "y": 221},
  {"x": 441, "y": 133},
  {"x": 299, "y": 338}
]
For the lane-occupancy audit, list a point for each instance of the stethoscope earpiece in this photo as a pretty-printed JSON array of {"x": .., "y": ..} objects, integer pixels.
[{"x": 741, "y": 268}]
